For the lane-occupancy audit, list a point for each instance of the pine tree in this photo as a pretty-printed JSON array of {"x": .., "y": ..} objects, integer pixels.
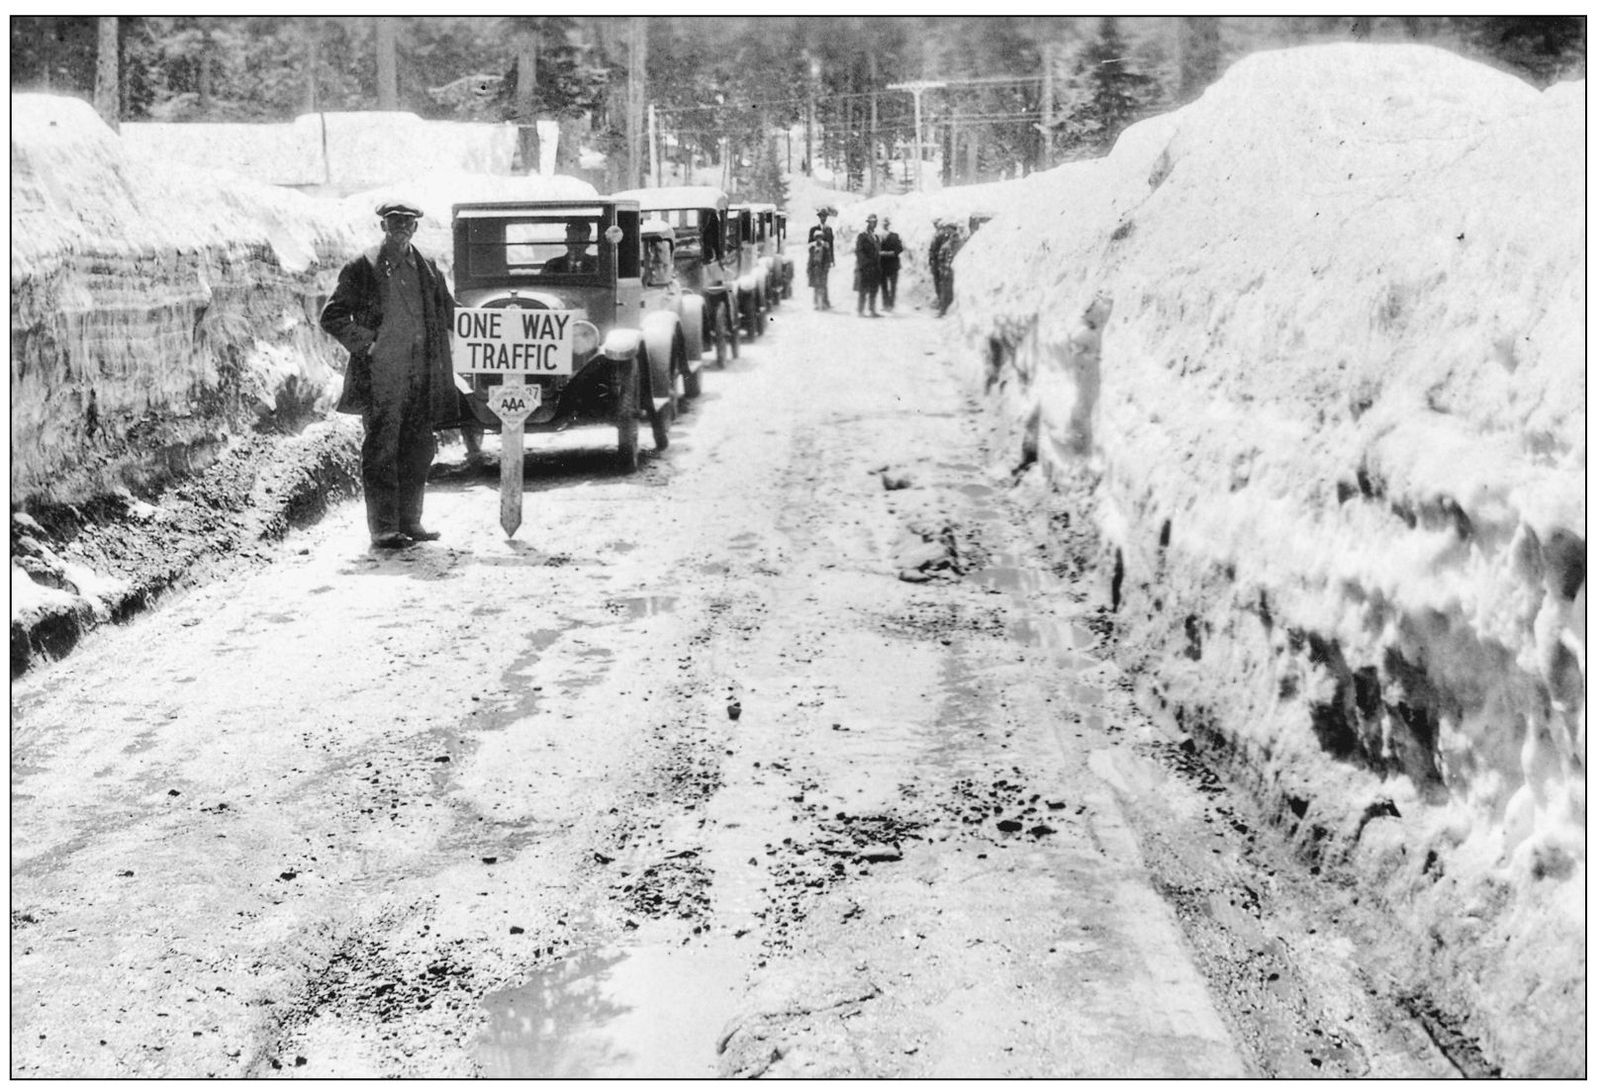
[
  {"x": 1200, "y": 55},
  {"x": 1112, "y": 95}
]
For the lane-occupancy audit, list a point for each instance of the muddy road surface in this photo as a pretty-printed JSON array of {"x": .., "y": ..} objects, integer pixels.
[{"x": 801, "y": 752}]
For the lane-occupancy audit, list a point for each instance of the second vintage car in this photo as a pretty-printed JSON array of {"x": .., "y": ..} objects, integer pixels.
[{"x": 697, "y": 216}]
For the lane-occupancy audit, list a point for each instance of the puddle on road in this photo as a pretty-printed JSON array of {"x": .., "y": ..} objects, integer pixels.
[{"x": 616, "y": 1012}]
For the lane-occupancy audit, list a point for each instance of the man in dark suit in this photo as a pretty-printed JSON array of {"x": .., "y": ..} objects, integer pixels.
[
  {"x": 866, "y": 278},
  {"x": 392, "y": 311},
  {"x": 890, "y": 264}
]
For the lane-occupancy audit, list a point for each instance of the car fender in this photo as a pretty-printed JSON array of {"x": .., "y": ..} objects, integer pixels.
[
  {"x": 621, "y": 343},
  {"x": 657, "y": 331},
  {"x": 691, "y": 316},
  {"x": 750, "y": 283}
]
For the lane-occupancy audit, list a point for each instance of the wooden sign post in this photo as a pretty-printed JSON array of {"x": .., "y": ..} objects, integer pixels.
[
  {"x": 517, "y": 344},
  {"x": 513, "y": 404}
]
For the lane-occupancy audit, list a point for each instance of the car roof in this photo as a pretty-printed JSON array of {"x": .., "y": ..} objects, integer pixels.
[
  {"x": 677, "y": 197},
  {"x": 591, "y": 206},
  {"x": 759, "y": 206}
]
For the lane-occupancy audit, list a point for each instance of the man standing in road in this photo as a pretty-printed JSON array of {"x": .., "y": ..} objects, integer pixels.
[
  {"x": 824, "y": 234},
  {"x": 866, "y": 278},
  {"x": 890, "y": 264},
  {"x": 392, "y": 311},
  {"x": 942, "y": 249}
]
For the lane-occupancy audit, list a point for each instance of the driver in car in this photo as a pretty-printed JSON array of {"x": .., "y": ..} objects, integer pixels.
[{"x": 576, "y": 260}]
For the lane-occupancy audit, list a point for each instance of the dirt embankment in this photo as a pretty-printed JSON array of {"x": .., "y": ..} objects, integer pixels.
[{"x": 108, "y": 558}]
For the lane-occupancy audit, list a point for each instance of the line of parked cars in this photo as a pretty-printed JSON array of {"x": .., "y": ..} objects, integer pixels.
[{"x": 659, "y": 280}]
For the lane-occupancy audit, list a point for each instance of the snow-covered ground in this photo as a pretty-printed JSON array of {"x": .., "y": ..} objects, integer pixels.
[
  {"x": 1309, "y": 352},
  {"x": 1303, "y": 361}
]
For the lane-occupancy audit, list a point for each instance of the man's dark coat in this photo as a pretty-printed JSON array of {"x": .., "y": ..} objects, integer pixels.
[{"x": 353, "y": 316}]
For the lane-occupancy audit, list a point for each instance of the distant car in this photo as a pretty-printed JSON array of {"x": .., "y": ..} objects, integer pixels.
[
  {"x": 698, "y": 216},
  {"x": 583, "y": 258},
  {"x": 787, "y": 266},
  {"x": 741, "y": 268},
  {"x": 769, "y": 252},
  {"x": 668, "y": 308}
]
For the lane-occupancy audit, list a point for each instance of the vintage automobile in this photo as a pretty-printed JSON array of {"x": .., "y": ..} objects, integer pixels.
[
  {"x": 663, "y": 293},
  {"x": 697, "y": 216},
  {"x": 787, "y": 267},
  {"x": 581, "y": 258},
  {"x": 769, "y": 253},
  {"x": 741, "y": 269}
]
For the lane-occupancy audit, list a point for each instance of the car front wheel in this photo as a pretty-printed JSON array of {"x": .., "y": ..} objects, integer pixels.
[
  {"x": 693, "y": 379},
  {"x": 732, "y": 330},
  {"x": 629, "y": 418},
  {"x": 721, "y": 333}
]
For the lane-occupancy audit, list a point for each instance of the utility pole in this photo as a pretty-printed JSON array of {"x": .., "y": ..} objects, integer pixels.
[
  {"x": 1046, "y": 105},
  {"x": 918, "y": 87},
  {"x": 651, "y": 143}
]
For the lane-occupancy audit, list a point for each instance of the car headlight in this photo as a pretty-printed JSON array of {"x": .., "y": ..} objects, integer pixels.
[{"x": 586, "y": 339}]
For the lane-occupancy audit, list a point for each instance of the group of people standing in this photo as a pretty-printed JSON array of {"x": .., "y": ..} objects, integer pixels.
[{"x": 877, "y": 254}]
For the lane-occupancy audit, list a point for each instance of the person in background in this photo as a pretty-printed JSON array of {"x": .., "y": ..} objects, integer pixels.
[
  {"x": 890, "y": 264},
  {"x": 866, "y": 278},
  {"x": 577, "y": 258},
  {"x": 392, "y": 311},
  {"x": 819, "y": 274},
  {"x": 823, "y": 234},
  {"x": 942, "y": 249}
]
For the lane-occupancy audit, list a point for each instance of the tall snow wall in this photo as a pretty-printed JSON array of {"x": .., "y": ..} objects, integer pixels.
[
  {"x": 154, "y": 309},
  {"x": 339, "y": 151},
  {"x": 1307, "y": 357}
]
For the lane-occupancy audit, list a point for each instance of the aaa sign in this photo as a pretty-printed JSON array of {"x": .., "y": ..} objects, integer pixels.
[{"x": 512, "y": 341}]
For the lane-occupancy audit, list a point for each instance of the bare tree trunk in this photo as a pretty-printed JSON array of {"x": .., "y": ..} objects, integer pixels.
[
  {"x": 107, "y": 82},
  {"x": 384, "y": 43},
  {"x": 207, "y": 67},
  {"x": 47, "y": 52},
  {"x": 314, "y": 51},
  {"x": 874, "y": 122},
  {"x": 528, "y": 45},
  {"x": 635, "y": 120}
]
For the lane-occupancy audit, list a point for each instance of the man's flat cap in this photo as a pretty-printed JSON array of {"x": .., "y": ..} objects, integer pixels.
[{"x": 403, "y": 208}]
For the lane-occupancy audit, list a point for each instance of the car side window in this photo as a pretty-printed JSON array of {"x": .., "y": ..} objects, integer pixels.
[{"x": 659, "y": 263}]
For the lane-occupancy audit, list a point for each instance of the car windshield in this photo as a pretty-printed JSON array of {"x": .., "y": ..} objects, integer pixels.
[{"x": 563, "y": 246}]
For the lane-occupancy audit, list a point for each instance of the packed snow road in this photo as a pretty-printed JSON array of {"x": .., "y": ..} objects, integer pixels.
[{"x": 796, "y": 753}]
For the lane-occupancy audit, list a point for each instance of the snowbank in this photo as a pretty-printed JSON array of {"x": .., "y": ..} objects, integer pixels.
[
  {"x": 436, "y": 190},
  {"x": 1309, "y": 352},
  {"x": 343, "y": 151},
  {"x": 153, "y": 310}
]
